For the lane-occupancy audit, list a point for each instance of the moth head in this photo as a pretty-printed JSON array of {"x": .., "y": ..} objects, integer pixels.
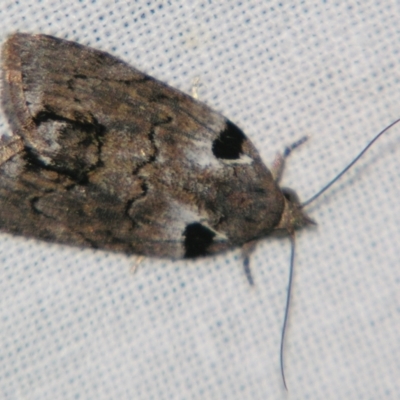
[{"x": 293, "y": 216}]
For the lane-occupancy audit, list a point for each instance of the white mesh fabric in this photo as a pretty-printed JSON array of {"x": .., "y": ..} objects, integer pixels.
[{"x": 76, "y": 324}]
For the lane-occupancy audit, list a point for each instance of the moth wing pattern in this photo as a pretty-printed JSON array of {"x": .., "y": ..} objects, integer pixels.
[{"x": 105, "y": 156}]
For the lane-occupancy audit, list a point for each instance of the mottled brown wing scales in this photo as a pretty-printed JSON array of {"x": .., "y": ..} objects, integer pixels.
[{"x": 105, "y": 156}]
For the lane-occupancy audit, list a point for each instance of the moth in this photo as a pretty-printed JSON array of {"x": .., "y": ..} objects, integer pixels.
[{"x": 105, "y": 156}]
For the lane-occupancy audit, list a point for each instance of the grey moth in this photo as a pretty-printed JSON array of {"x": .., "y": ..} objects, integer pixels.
[{"x": 107, "y": 157}]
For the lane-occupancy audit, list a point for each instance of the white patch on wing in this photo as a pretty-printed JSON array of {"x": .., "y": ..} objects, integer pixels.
[
  {"x": 183, "y": 214},
  {"x": 201, "y": 155},
  {"x": 242, "y": 160},
  {"x": 46, "y": 160}
]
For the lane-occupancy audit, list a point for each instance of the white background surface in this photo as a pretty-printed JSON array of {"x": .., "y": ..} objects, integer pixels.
[{"x": 77, "y": 324}]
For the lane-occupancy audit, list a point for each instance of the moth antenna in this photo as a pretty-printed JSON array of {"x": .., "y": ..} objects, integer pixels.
[
  {"x": 337, "y": 177},
  {"x": 292, "y": 236},
  {"x": 288, "y": 295},
  {"x": 247, "y": 270},
  {"x": 247, "y": 250}
]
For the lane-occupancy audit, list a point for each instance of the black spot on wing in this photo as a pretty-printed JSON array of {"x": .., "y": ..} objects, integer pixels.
[
  {"x": 228, "y": 145},
  {"x": 197, "y": 240}
]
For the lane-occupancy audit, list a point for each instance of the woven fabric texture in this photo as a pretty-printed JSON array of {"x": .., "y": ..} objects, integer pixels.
[{"x": 78, "y": 324}]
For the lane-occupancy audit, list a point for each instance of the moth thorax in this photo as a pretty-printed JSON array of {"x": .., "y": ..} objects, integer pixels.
[{"x": 293, "y": 216}]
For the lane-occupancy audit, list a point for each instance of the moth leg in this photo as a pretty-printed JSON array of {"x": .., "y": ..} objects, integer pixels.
[
  {"x": 247, "y": 249},
  {"x": 279, "y": 163},
  {"x": 135, "y": 265},
  {"x": 195, "y": 87}
]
